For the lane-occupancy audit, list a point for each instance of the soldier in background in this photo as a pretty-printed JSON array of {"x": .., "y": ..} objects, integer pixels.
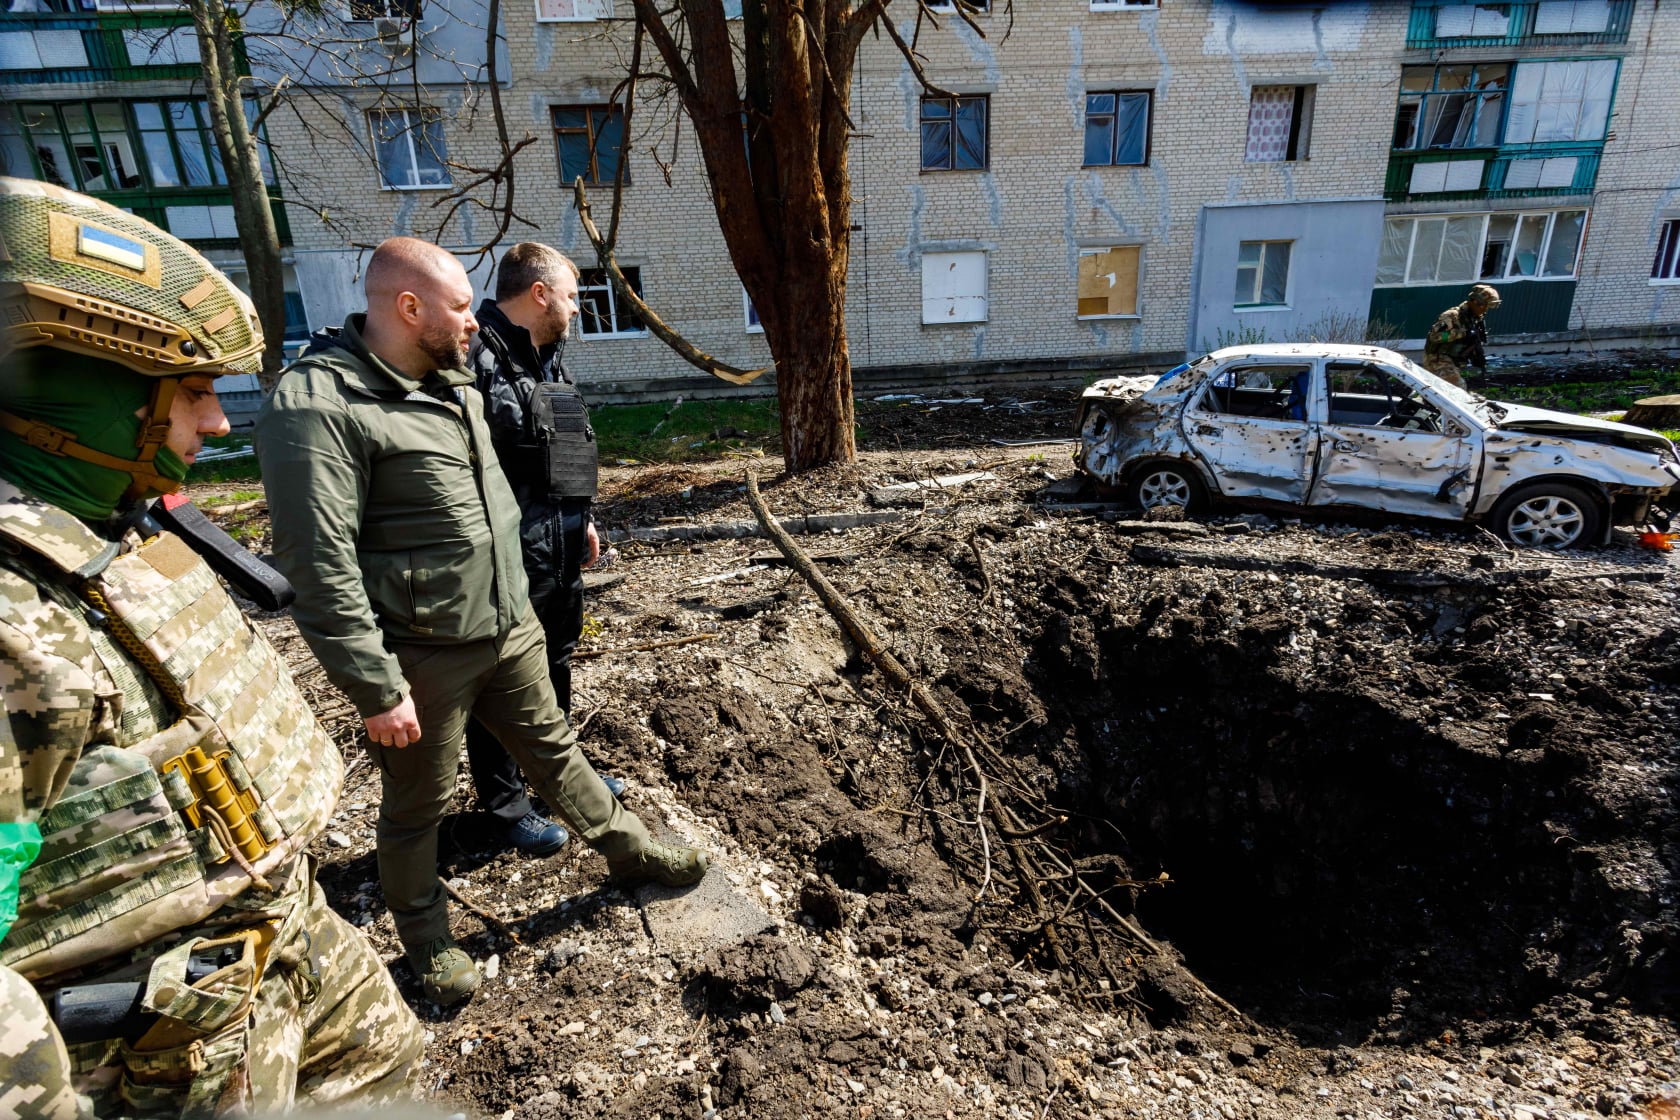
[
  {"x": 164, "y": 948},
  {"x": 540, "y": 428},
  {"x": 1459, "y": 337}
]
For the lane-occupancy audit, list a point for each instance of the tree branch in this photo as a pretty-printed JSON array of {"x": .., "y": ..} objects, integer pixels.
[{"x": 690, "y": 353}]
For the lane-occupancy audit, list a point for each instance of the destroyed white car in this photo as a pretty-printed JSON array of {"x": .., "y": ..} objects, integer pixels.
[{"x": 1322, "y": 425}]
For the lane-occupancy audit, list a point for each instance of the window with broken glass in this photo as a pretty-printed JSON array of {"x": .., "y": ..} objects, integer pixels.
[
  {"x": 1117, "y": 129},
  {"x": 1665, "y": 269},
  {"x": 104, "y": 146},
  {"x": 954, "y": 133},
  {"x": 601, "y": 313},
  {"x": 1259, "y": 391},
  {"x": 1451, "y": 106},
  {"x": 1263, "y": 274},
  {"x": 1489, "y": 104},
  {"x": 1463, "y": 248}
]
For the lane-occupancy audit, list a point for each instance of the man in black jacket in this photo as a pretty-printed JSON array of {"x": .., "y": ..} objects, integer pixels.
[{"x": 540, "y": 428}]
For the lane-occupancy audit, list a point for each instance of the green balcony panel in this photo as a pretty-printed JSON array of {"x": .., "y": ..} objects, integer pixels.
[{"x": 1527, "y": 307}]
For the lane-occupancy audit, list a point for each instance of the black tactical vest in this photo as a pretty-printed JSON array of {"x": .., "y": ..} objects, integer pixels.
[{"x": 565, "y": 443}]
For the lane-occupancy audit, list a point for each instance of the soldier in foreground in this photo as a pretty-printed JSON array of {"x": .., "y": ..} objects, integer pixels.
[
  {"x": 164, "y": 948},
  {"x": 394, "y": 521},
  {"x": 1459, "y": 337}
]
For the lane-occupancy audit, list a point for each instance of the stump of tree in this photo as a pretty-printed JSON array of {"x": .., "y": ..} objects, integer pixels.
[{"x": 1655, "y": 413}]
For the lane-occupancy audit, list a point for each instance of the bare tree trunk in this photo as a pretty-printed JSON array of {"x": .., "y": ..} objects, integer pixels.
[
  {"x": 259, "y": 240},
  {"x": 813, "y": 367}
]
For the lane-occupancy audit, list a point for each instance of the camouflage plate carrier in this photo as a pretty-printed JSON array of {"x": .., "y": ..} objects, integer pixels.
[{"x": 184, "y": 811}]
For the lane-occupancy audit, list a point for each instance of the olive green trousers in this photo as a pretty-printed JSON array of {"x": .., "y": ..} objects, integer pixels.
[{"x": 504, "y": 683}]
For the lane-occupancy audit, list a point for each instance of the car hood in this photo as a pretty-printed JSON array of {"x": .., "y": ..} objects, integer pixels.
[{"x": 1522, "y": 418}]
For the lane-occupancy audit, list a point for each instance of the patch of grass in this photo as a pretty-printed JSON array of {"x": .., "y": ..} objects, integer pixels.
[
  {"x": 1589, "y": 396},
  {"x": 242, "y": 469},
  {"x": 233, "y": 498},
  {"x": 684, "y": 431}
]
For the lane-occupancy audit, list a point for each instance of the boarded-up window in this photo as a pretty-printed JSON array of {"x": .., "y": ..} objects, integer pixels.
[
  {"x": 1572, "y": 17},
  {"x": 573, "y": 10},
  {"x": 1465, "y": 21},
  {"x": 954, "y": 287},
  {"x": 1108, "y": 282},
  {"x": 1560, "y": 101}
]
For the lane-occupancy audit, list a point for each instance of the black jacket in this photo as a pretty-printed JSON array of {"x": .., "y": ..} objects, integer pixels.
[{"x": 508, "y": 367}]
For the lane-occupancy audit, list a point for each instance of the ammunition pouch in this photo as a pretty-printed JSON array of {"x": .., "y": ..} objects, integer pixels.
[
  {"x": 563, "y": 448},
  {"x": 219, "y": 788},
  {"x": 194, "y": 1059}
]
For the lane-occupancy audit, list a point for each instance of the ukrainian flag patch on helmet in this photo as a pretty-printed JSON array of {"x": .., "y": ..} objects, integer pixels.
[{"x": 114, "y": 248}]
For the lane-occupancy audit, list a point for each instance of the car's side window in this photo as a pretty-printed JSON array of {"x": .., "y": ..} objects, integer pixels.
[
  {"x": 1365, "y": 395},
  {"x": 1263, "y": 391}
]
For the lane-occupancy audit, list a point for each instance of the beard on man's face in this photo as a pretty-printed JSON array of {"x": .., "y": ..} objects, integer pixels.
[{"x": 444, "y": 348}]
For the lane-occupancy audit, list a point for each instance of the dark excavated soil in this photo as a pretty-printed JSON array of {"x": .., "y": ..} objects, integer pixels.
[{"x": 1419, "y": 843}]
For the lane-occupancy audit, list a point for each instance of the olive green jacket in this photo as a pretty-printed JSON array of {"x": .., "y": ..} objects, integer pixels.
[{"x": 391, "y": 516}]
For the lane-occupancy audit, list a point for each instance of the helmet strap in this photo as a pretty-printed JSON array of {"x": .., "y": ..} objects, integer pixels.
[{"x": 57, "y": 441}]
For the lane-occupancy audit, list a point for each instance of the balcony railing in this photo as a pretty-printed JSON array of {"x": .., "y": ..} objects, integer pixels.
[
  {"x": 1463, "y": 23},
  {"x": 112, "y": 47},
  {"x": 1516, "y": 171}
]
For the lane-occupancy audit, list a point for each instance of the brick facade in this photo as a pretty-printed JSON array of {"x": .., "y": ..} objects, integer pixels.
[{"x": 1034, "y": 208}]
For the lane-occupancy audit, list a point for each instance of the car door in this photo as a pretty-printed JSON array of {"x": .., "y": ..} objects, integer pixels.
[
  {"x": 1252, "y": 423},
  {"x": 1389, "y": 443}
]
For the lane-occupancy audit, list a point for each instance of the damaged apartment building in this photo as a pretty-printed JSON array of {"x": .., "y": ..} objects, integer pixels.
[{"x": 1112, "y": 184}]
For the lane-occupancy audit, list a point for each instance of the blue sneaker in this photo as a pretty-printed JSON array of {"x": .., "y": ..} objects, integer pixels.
[
  {"x": 535, "y": 835},
  {"x": 615, "y": 786}
]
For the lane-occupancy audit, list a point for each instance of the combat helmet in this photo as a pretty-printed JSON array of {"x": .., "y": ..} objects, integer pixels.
[{"x": 80, "y": 275}]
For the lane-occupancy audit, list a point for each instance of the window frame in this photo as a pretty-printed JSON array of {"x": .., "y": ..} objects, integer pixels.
[
  {"x": 1298, "y": 148},
  {"x": 134, "y": 136},
  {"x": 1259, "y": 288},
  {"x": 587, "y": 283},
  {"x": 593, "y": 133},
  {"x": 1148, "y": 126},
  {"x": 956, "y": 103},
  {"x": 1125, "y": 6},
  {"x": 428, "y": 116},
  {"x": 1668, "y": 241},
  {"x": 1541, "y": 253},
  {"x": 983, "y": 7},
  {"x": 1481, "y": 96}
]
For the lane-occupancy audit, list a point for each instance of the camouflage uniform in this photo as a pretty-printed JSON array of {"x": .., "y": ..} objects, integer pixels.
[
  {"x": 160, "y": 775},
  {"x": 1457, "y": 335}
]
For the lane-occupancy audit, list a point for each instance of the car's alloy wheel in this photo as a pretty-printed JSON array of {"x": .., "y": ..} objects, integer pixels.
[
  {"x": 1549, "y": 515},
  {"x": 1546, "y": 521},
  {"x": 1160, "y": 485}
]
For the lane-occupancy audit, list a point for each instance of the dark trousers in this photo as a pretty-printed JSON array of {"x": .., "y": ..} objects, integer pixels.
[{"x": 557, "y": 599}]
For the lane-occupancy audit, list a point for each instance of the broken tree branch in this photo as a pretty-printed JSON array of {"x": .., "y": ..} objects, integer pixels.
[
  {"x": 889, "y": 666},
  {"x": 689, "y": 352},
  {"x": 487, "y": 917}
]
